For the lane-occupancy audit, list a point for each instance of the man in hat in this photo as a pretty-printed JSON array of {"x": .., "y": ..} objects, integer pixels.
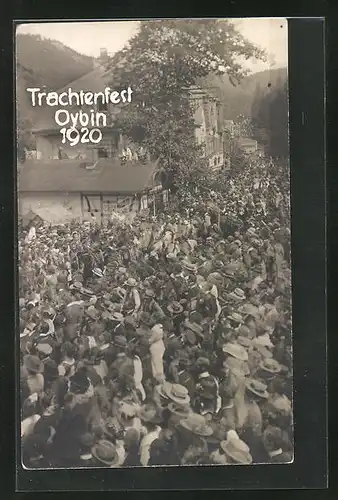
[
  {"x": 132, "y": 300},
  {"x": 32, "y": 379},
  {"x": 206, "y": 394},
  {"x": 151, "y": 418},
  {"x": 151, "y": 306}
]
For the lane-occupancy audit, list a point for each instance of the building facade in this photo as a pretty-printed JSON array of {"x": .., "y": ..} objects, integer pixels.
[{"x": 208, "y": 132}]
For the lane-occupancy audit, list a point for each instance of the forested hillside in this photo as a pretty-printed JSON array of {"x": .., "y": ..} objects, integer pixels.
[
  {"x": 41, "y": 62},
  {"x": 238, "y": 100}
]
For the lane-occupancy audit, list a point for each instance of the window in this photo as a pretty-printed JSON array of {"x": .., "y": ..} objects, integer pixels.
[{"x": 102, "y": 153}]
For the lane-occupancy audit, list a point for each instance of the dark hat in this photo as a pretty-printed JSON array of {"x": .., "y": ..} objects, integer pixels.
[
  {"x": 179, "y": 410},
  {"x": 190, "y": 337},
  {"x": 79, "y": 383},
  {"x": 51, "y": 370},
  {"x": 120, "y": 341},
  {"x": 175, "y": 308}
]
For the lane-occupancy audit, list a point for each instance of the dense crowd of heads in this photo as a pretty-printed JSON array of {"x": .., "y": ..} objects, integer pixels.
[{"x": 165, "y": 341}]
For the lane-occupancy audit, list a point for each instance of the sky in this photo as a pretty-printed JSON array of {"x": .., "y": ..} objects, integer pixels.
[{"x": 89, "y": 37}]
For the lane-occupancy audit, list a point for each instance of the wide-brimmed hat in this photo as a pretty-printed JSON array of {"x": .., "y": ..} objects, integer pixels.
[
  {"x": 194, "y": 327},
  {"x": 197, "y": 425},
  {"x": 116, "y": 316},
  {"x": 249, "y": 310},
  {"x": 179, "y": 394},
  {"x": 76, "y": 285},
  {"x": 238, "y": 294},
  {"x": 257, "y": 387},
  {"x": 237, "y": 450},
  {"x": 150, "y": 414},
  {"x": 105, "y": 452},
  {"x": 244, "y": 341},
  {"x": 44, "y": 349},
  {"x": 120, "y": 341},
  {"x": 79, "y": 383},
  {"x": 234, "y": 316},
  {"x": 175, "y": 308},
  {"x": 179, "y": 410},
  {"x": 33, "y": 363},
  {"x": 98, "y": 272},
  {"x": 235, "y": 350},
  {"x": 189, "y": 266},
  {"x": 164, "y": 389},
  {"x": 190, "y": 337},
  {"x": 270, "y": 365},
  {"x": 131, "y": 282}
]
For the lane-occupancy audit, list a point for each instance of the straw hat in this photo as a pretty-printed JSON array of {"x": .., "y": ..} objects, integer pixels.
[
  {"x": 238, "y": 294},
  {"x": 189, "y": 266},
  {"x": 178, "y": 394},
  {"x": 235, "y": 350},
  {"x": 98, "y": 272},
  {"x": 131, "y": 282},
  {"x": 105, "y": 452},
  {"x": 270, "y": 365},
  {"x": 236, "y": 317},
  {"x": 258, "y": 388},
  {"x": 164, "y": 389},
  {"x": 237, "y": 450},
  {"x": 44, "y": 349},
  {"x": 197, "y": 425}
]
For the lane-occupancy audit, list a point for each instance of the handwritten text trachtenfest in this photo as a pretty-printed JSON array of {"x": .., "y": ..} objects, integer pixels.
[{"x": 75, "y": 125}]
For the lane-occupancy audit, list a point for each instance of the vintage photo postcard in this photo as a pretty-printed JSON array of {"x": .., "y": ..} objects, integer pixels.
[{"x": 154, "y": 282}]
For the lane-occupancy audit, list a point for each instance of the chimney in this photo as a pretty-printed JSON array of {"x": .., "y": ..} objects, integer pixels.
[{"x": 103, "y": 53}]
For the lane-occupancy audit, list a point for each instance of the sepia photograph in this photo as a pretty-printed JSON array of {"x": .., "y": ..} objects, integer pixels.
[{"x": 154, "y": 294}]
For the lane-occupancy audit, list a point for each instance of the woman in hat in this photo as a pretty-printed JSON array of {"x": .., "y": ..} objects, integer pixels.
[
  {"x": 249, "y": 415},
  {"x": 32, "y": 380},
  {"x": 277, "y": 445},
  {"x": 236, "y": 451},
  {"x": 150, "y": 418}
]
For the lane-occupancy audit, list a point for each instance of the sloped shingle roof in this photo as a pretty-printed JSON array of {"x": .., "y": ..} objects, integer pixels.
[{"x": 109, "y": 176}]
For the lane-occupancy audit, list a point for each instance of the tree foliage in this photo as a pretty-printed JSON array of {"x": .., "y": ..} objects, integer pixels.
[{"x": 160, "y": 63}]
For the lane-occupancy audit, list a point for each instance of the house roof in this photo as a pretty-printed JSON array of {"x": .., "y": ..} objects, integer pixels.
[
  {"x": 94, "y": 81},
  {"x": 108, "y": 176}
]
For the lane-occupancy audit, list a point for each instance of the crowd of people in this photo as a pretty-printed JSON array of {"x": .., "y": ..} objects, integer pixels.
[{"x": 166, "y": 341}]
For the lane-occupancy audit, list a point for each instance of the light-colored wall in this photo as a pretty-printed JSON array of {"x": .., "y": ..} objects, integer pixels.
[{"x": 62, "y": 207}]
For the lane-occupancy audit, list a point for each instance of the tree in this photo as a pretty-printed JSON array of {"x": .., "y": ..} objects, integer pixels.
[{"x": 161, "y": 62}]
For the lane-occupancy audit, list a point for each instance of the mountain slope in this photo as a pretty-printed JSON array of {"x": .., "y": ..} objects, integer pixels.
[
  {"x": 238, "y": 100},
  {"x": 41, "y": 62}
]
